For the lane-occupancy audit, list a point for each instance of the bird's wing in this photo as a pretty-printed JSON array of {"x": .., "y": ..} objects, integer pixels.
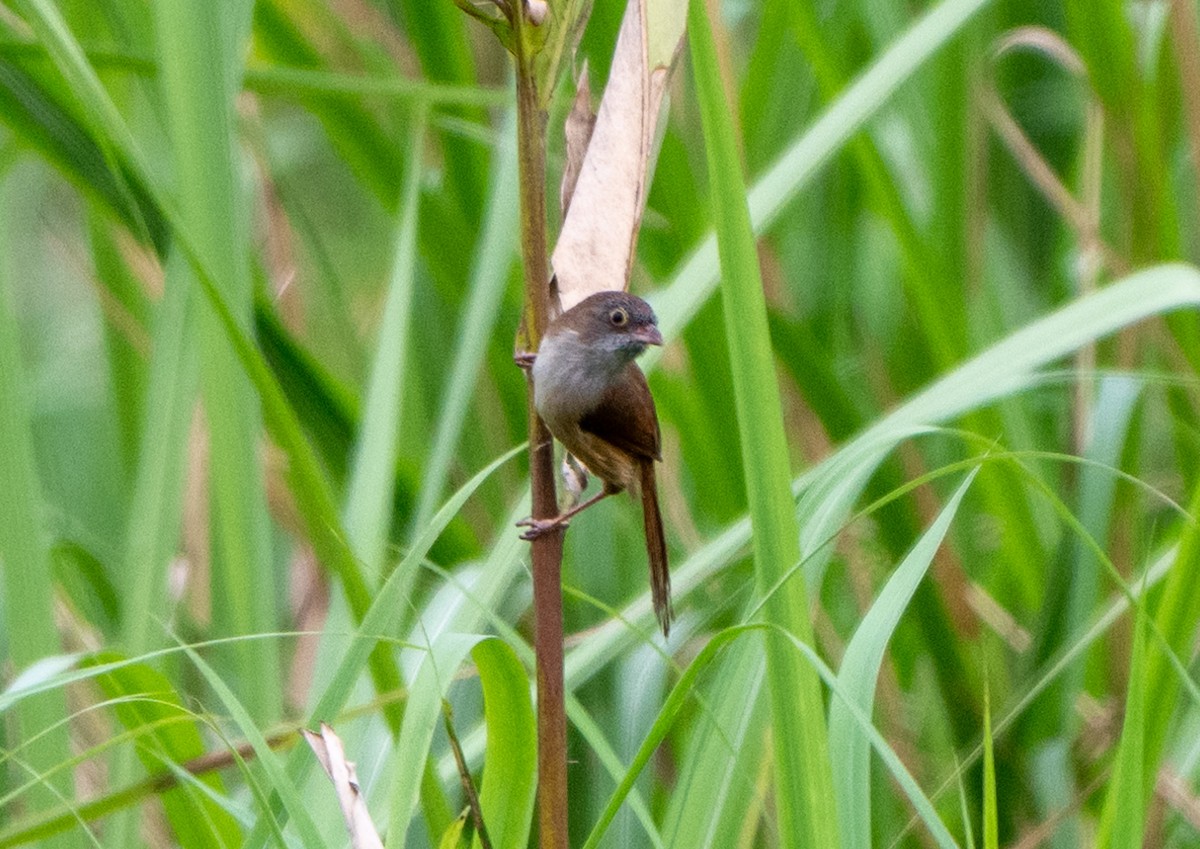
[{"x": 626, "y": 416}]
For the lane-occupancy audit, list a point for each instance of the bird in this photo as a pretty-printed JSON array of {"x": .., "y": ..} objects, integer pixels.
[{"x": 594, "y": 399}]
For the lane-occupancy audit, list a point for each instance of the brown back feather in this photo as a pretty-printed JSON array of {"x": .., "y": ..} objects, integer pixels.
[{"x": 626, "y": 416}]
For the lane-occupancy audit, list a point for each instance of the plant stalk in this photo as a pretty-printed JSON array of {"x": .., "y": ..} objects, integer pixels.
[{"x": 546, "y": 550}]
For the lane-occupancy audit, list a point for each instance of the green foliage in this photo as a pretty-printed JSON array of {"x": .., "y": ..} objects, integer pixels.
[
  {"x": 805, "y": 802},
  {"x": 860, "y": 670},
  {"x": 146, "y": 704},
  {"x": 258, "y": 296},
  {"x": 991, "y": 827}
]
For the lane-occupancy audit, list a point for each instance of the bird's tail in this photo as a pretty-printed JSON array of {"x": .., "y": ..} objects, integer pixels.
[{"x": 656, "y": 548}]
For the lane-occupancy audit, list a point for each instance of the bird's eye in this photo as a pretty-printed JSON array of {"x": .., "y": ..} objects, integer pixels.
[{"x": 618, "y": 317}]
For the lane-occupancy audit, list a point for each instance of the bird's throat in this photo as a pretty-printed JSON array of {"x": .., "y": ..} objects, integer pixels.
[{"x": 570, "y": 376}]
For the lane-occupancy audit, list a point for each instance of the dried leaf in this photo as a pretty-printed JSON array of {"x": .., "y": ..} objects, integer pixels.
[
  {"x": 596, "y": 247},
  {"x": 327, "y": 746},
  {"x": 578, "y": 132}
]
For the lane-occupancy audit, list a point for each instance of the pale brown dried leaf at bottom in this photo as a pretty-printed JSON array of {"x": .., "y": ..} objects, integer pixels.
[{"x": 327, "y": 746}]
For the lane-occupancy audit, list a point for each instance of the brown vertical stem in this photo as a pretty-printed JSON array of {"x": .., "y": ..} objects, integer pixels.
[
  {"x": 546, "y": 549},
  {"x": 548, "y": 644}
]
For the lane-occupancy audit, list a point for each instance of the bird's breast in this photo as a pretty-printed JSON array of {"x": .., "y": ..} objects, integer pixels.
[{"x": 568, "y": 382}]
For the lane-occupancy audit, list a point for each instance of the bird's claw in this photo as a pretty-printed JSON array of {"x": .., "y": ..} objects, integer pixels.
[
  {"x": 540, "y": 527},
  {"x": 524, "y": 359}
]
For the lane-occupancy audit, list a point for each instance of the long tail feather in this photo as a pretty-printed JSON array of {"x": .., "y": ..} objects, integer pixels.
[{"x": 656, "y": 548}]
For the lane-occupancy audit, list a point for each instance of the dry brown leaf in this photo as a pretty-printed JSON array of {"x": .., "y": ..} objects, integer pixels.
[
  {"x": 596, "y": 247},
  {"x": 327, "y": 746},
  {"x": 578, "y": 132}
]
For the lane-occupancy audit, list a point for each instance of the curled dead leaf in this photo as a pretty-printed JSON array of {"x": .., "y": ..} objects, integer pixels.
[
  {"x": 328, "y": 748},
  {"x": 595, "y": 249}
]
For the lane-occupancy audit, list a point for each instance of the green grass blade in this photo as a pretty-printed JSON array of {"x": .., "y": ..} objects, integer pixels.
[
  {"x": 1003, "y": 369},
  {"x": 991, "y": 824},
  {"x": 158, "y": 486},
  {"x": 964, "y": 809},
  {"x": 726, "y": 765},
  {"x": 1148, "y": 580},
  {"x": 145, "y": 702},
  {"x": 266, "y": 757},
  {"x": 697, "y": 279},
  {"x": 1175, "y": 618},
  {"x": 683, "y": 690},
  {"x": 352, "y": 129},
  {"x": 860, "y": 670},
  {"x": 1124, "y": 815},
  {"x": 834, "y": 485},
  {"x": 804, "y": 794},
  {"x": 94, "y": 106},
  {"x": 28, "y": 594},
  {"x": 157, "y": 498},
  {"x": 503, "y": 568},
  {"x": 369, "y": 503},
  {"x": 421, "y": 716},
  {"x": 32, "y": 109},
  {"x": 489, "y": 276},
  {"x": 590, "y": 729},
  {"x": 1072, "y": 589},
  {"x": 899, "y": 772},
  {"x": 310, "y": 487},
  {"x": 693, "y": 828},
  {"x": 384, "y": 617},
  {"x": 510, "y": 765},
  {"x": 439, "y": 36},
  {"x": 387, "y": 609},
  {"x": 200, "y": 73},
  {"x": 127, "y": 362}
]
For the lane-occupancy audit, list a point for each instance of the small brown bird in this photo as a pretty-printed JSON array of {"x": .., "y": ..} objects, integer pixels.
[{"x": 594, "y": 398}]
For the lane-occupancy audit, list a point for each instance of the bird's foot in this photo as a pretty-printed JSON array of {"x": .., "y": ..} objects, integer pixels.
[
  {"x": 541, "y": 527},
  {"x": 524, "y": 359}
]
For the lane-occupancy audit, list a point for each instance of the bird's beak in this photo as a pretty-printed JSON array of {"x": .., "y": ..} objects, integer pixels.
[{"x": 648, "y": 335}]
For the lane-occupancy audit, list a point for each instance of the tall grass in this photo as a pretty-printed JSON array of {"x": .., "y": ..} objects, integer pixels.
[{"x": 260, "y": 430}]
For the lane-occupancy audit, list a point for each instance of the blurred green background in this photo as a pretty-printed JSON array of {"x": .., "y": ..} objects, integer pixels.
[{"x": 973, "y": 219}]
